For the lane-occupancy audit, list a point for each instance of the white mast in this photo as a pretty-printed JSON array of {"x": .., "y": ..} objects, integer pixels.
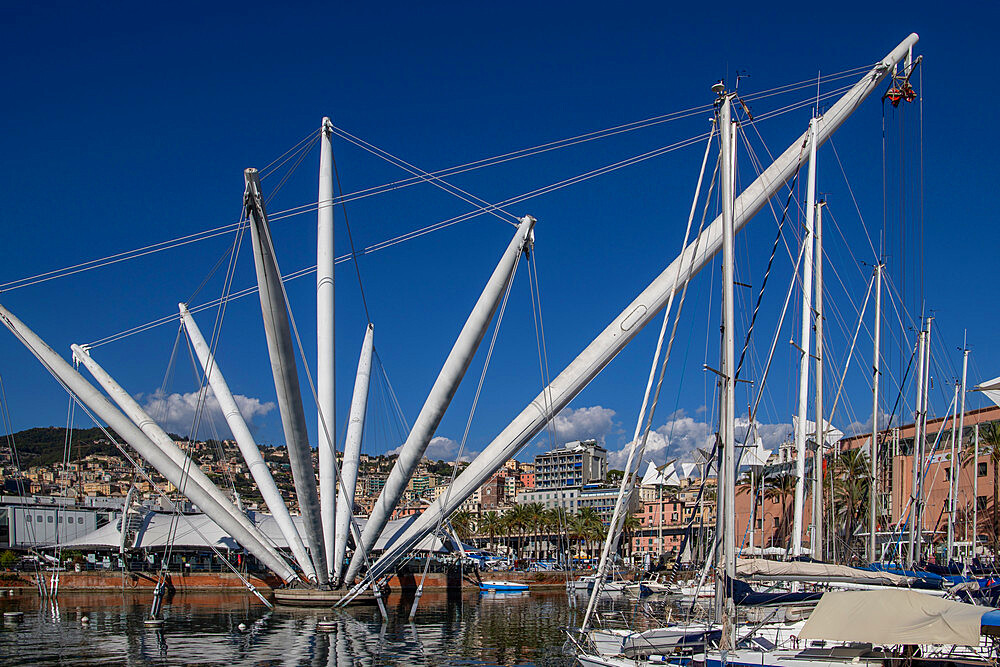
[
  {"x": 177, "y": 475},
  {"x": 917, "y": 438},
  {"x": 975, "y": 491},
  {"x": 925, "y": 405},
  {"x": 248, "y": 446},
  {"x": 441, "y": 393},
  {"x": 727, "y": 475},
  {"x": 952, "y": 478},
  {"x": 873, "y": 448},
  {"x": 326, "y": 392},
  {"x": 164, "y": 442},
  {"x": 804, "y": 336},
  {"x": 352, "y": 450},
  {"x": 817, "y": 514},
  {"x": 286, "y": 376},
  {"x": 961, "y": 433},
  {"x": 624, "y": 327}
]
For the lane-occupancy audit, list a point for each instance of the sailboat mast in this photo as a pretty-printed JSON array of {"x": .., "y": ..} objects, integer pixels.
[
  {"x": 817, "y": 537},
  {"x": 952, "y": 477},
  {"x": 917, "y": 437},
  {"x": 924, "y": 404},
  {"x": 804, "y": 336},
  {"x": 727, "y": 134},
  {"x": 957, "y": 462},
  {"x": 873, "y": 448},
  {"x": 326, "y": 392},
  {"x": 975, "y": 491}
]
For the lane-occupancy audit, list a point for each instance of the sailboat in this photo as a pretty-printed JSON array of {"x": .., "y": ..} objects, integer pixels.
[{"x": 750, "y": 645}]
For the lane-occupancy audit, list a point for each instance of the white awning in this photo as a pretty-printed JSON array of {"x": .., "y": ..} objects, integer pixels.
[{"x": 893, "y": 617}]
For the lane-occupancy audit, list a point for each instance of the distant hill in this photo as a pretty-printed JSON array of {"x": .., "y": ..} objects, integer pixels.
[{"x": 45, "y": 445}]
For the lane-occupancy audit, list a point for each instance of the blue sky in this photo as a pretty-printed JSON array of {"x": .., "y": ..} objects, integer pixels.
[{"x": 128, "y": 126}]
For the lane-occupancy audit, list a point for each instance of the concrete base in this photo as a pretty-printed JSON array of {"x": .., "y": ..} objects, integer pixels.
[{"x": 311, "y": 597}]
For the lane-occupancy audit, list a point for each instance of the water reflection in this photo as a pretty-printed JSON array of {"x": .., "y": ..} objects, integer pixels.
[{"x": 204, "y": 628}]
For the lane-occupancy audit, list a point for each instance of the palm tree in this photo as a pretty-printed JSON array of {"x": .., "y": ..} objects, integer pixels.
[
  {"x": 536, "y": 517},
  {"x": 464, "y": 523},
  {"x": 629, "y": 526},
  {"x": 780, "y": 488},
  {"x": 990, "y": 437},
  {"x": 489, "y": 524},
  {"x": 850, "y": 492}
]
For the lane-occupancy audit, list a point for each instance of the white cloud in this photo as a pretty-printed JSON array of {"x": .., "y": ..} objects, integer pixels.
[
  {"x": 176, "y": 412},
  {"x": 681, "y": 435},
  {"x": 441, "y": 448},
  {"x": 856, "y": 427},
  {"x": 590, "y": 423}
]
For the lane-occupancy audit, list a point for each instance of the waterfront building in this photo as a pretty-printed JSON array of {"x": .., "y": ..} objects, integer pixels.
[
  {"x": 772, "y": 525},
  {"x": 573, "y": 465}
]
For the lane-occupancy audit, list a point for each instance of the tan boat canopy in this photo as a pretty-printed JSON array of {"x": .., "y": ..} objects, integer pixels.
[
  {"x": 894, "y": 617},
  {"x": 771, "y": 570}
]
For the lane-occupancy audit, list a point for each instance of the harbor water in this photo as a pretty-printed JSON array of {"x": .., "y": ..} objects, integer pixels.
[{"x": 205, "y": 629}]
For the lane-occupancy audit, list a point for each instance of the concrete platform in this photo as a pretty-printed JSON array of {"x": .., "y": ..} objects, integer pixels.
[{"x": 311, "y": 597}]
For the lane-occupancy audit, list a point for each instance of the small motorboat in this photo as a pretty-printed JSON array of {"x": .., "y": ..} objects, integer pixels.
[{"x": 503, "y": 586}]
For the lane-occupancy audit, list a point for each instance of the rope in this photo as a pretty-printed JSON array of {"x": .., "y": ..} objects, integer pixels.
[
  {"x": 305, "y": 208},
  {"x": 350, "y": 236},
  {"x": 423, "y": 175}
]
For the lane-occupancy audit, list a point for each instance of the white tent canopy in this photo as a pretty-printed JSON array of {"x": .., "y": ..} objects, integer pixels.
[
  {"x": 833, "y": 434},
  {"x": 992, "y": 389}
]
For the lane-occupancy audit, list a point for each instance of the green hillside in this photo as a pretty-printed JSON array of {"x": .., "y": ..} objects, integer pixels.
[{"x": 45, "y": 445}]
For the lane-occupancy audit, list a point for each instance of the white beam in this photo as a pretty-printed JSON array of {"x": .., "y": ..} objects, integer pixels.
[
  {"x": 285, "y": 372},
  {"x": 636, "y": 315},
  {"x": 248, "y": 446},
  {"x": 326, "y": 391},
  {"x": 441, "y": 393},
  {"x": 146, "y": 448},
  {"x": 352, "y": 451}
]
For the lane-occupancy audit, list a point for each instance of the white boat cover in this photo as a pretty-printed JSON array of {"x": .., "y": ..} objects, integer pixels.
[
  {"x": 893, "y": 617},
  {"x": 759, "y": 568}
]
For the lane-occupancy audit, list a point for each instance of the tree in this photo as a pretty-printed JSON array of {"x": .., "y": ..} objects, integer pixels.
[
  {"x": 851, "y": 478},
  {"x": 489, "y": 524},
  {"x": 464, "y": 524},
  {"x": 7, "y": 559},
  {"x": 990, "y": 437},
  {"x": 779, "y": 488}
]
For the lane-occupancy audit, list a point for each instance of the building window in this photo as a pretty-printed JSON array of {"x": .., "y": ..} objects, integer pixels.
[
  {"x": 981, "y": 500},
  {"x": 760, "y": 524},
  {"x": 775, "y": 522},
  {"x": 27, "y": 518},
  {"x": 50, "y": 518},
  {"x": 982, "y": 469}
]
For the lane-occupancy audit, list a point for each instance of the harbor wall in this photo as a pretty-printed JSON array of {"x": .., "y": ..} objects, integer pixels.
[{"x": 207, "y": 581}]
